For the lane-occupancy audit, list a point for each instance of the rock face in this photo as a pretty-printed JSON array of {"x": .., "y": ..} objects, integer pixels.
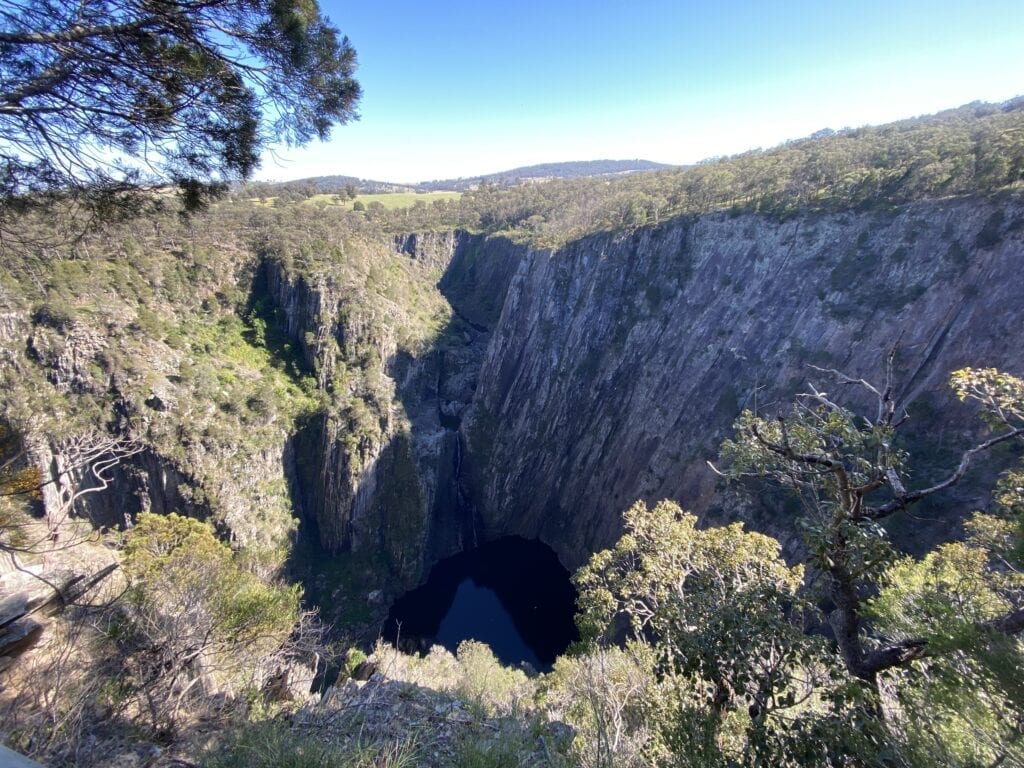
[
  {"x": 471, "y": 387},
  {"x": 338, "y": 465},
  {"x": 127, "y": 412},
  {"x": 570, "y": 383},
  {"x": 619, "y": 361},
  {"x": 377, "y": 469},
  {"x": 474, "y": 387},
  {"x": 143, "y": 482}
]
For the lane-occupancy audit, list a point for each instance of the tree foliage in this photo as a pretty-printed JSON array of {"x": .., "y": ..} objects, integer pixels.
[
  {"x": 612, "y": 698},
  {"x": 194, "y": 620},
  {"x": 106, "y": 95},
  {"x": 713, "y": 597},
  {"x": 850, "y": 473},
  {"x": 18, "y": 477},
  {"x": 742, "y": 680},
  {"x": 963, "y": 600},
  {"x": 922, "y": 657},
  {"x": 20, "y": 482}
]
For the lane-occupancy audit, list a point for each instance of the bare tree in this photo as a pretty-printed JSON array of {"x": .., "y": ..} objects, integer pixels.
[
  {"x": 81, "y": 465},
  {"x": 62, "y": 476}
]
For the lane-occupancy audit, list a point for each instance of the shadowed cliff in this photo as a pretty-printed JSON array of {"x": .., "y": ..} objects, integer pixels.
[
  {"x": 620, "y": 361},
  {"x": 566, "y": 384}
]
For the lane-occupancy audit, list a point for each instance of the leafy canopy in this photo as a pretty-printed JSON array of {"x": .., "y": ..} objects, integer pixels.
[
  {"x": 103, "y": 96},
  {"x": 941, "y": 632},
  {"x": 717, "y": 601},
  {"x": 723, "y": 616},
  {"x": 921, "y": 663},
  {"x": 192, "y": 598}
]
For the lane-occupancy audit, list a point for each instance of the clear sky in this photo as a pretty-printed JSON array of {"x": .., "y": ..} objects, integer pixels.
[{"x": 467, "y": 87}]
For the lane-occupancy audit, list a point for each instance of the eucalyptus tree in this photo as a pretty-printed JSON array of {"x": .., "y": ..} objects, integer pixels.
[
  {"x": 102, "y": 97},
  {"x": 851, "y": 475},
  {"x": 896, "y": 661}
]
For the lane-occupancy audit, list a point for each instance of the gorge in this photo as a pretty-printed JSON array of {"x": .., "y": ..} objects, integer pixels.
[
  {"x": 560, "y": 385},
  {"x": 593, "y": 463},
  {"x": 287, "y": 434},
  {"x": 582, "y": 379}
]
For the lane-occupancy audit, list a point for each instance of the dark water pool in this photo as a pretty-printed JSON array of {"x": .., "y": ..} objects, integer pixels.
[{"x": 512, "y": 594}]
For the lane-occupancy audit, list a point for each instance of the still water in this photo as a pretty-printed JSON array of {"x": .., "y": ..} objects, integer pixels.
[{"x": 512, "y": 594}]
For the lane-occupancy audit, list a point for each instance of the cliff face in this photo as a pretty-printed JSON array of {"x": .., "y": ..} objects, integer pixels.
[
  {"x": 567, "y": 384},
  {"x": 438, "y": 389},
  {"x": 165, "y": 448},
  {"x": 339, "y": 449},
  {"x": 129, "y": 373},
  {"x": 377, "y": 468},
  {"x": 619, "y": 362}
]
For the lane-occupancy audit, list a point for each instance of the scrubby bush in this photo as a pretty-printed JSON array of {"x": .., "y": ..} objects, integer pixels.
[
  {"x": 490, "y": 687},
  {"x": 354, "y": 657},
  {"x": 611, "y": 698},
  {"x": 193, "y": 620},
  {"x": 923, "y": 662},
  {"x": 55, "y": 314}
]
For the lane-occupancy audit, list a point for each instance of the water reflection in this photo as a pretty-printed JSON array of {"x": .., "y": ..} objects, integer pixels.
[{"x": 511, "y": 594}]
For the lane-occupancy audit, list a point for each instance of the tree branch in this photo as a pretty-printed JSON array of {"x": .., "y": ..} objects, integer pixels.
[
  {"x": 903, "y": 500},
  {"x": 77, "y": 33}
]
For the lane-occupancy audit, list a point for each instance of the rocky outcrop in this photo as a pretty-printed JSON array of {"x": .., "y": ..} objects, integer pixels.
[
  {"x": 375, "y": 466},
  {"x": 308, "y": 307},
  {"x": 472, "y": 387},
  {"x": 68, "y": 356},
  {"x": 102, "y": 476},
  {"x": 619, "y": 361},
  {"x": 121, "y": 422},
  {"x": 433, "y": 249},
  {"x": 338, "y": 450},
  {"x": 141, "y": 481}
]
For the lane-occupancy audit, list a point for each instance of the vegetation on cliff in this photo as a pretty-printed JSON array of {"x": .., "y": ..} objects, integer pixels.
[
  {"x": 743, "y": 653},
  {"x": 975, "y": 149},
  {"x": 253, "y": 351},
  {"x": 978, "y": 148}
]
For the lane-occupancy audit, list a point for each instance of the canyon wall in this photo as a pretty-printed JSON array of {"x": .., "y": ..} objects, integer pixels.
[
  {"x": 377, "y": 470},
  {"x": 619, "y": 362},
  {"x": 469, "y": 387}
]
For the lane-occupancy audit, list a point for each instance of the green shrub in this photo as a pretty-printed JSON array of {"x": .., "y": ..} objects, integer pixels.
[
  {"x": 609, "y": 696},
  {"x": 55, "y": 314},
  {"x": 194, "y": 618},
  {"x": 488, "y": 686},
  {"x": 353, "y": 658}
]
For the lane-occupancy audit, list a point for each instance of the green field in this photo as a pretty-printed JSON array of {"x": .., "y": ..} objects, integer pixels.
[{"x": 391, "y": 200}]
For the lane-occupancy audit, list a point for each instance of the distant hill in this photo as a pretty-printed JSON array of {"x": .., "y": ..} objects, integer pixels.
[
  {"x": 530, "y": 173},
  {"x": 321, "y": 185},
  {"x": 568, "y": 170}
]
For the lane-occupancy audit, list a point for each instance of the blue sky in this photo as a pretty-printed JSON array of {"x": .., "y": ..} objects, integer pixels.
[{"x": 461, "y": 88}]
